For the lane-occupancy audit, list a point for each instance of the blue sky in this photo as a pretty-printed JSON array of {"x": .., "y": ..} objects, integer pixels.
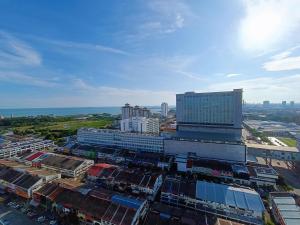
[{"x": 104, "y": 53}]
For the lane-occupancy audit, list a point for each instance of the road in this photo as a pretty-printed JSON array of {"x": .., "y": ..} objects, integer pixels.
[{"x": 14, "y": 217}]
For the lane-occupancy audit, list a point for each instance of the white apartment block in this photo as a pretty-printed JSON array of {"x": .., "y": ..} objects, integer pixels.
[
  {"x": 129, "y": 111},
  {"x": 140, "y": 125},
  {"x": 164, "y": 109},
  {"x": 115, "y": 138}
]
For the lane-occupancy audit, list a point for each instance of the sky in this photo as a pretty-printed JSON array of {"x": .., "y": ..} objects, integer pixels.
[{"x": 73, "y": 53}]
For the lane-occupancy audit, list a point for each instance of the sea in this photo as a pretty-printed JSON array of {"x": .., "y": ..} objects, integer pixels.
[{"x": 64, "y": 111}]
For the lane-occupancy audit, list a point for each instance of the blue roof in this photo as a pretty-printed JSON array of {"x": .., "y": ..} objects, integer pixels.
[
  {"x": 127, "y": 202},
  {"x": 228, "y": 195}
]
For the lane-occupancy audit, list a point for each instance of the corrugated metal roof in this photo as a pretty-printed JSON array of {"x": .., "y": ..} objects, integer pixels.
[
  {"x": 288, "y": 209},
  {"x": 227, "y": 195},
  {"x": 285, "y": 200},
  {"x": 128, "y": 202},
  {"x": 292, "y": 221}
]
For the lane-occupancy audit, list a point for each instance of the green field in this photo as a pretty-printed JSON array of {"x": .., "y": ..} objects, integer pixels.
[
  {"x": 68, "y": 125},
  {"x": 288, "y": 141},
  {"x": 57, "y": 130}
]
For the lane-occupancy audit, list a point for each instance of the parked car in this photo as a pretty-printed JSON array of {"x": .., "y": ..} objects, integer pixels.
[
  {"x": 53, "y": 222},
  {"x": 41, "y": 219},
  {"x": 31, "y": 214},
  {"x": 24, "y": 210}
]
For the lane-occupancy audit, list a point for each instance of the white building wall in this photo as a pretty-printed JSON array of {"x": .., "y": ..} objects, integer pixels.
[
  {"x": 140, "y": 125},
  {"x": 133, "y": 141},
  {"x": 210, "y": 150},
  {"x": 164, "y": 109}
]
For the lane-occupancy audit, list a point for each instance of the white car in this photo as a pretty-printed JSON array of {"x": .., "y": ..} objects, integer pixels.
[
  {"x": 53, "y": 222},
  {"x": 41, "y": 219}
]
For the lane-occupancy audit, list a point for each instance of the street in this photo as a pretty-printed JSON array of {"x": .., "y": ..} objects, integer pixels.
[{"x": 14, "y": 217}]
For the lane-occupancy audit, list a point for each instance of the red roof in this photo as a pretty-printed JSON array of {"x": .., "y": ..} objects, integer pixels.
[
  {"x": 34, "y": 156},
  {"x": 97, "y": 168}
]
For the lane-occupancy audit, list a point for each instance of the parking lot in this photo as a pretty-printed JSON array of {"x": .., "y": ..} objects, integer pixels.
[
  {"x": 14, "y": 217},
  {"x": 15, "y": 211}
]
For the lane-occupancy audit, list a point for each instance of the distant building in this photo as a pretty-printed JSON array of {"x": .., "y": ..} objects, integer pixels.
[
  {"x": 218, "y": 114},
  {"x": 121, "y": 140},
  {"x": 292, "y": 103},
  {"x": 266, "y": 103},
  {"x": 283, "y": 103},
  {"x": 129, "y": 111},
  {"x": 164, "y": 109},
  {"x": 140, "y": 125}
]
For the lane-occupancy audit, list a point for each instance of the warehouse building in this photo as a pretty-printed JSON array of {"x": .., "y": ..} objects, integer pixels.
[
  {"x": 65, "y": 165},
  {"x": 19, "y": 182},
  {"x": 121, "y": 140},
  {"x": 239, "y": 204},
  {"x": 22, "y": 179},
  {"x": 285, "y": 208}
]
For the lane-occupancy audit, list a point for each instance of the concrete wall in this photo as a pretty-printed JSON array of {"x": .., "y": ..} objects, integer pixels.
[{"x": 226, "y": 152}]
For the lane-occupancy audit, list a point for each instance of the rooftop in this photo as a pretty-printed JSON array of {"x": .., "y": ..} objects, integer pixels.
[
  {"x": 223, "y": 194},
  {"x": 287, "y": 207},
  {"x": 20, "y": 179},
  {"x": 94, "y": 130},
  {"x": 161, "y": 214},
  {"x": 118, "y": 209},
  {"x": 273, "y": 147},
  {"x": 59, "y": 161}
]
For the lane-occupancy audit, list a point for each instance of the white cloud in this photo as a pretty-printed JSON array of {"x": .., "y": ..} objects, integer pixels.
[
  {"x": 233, "y": 75},
  {"x": 290, "y": 63},
  {"x": 183, "y": 65},
  {"x": 274, "y": 89},
  {"x": 283, "y": 61},
  {"x": 20, "y": 78},
  {"x": 14, "y": 52},
  {"x": 167, "y": 16},
  {"x": 268, "y": 22},
  {"x": 79, "y": 45}
]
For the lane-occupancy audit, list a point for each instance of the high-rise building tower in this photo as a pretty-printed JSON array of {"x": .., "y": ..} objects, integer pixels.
[
  {"x": 266, "y": 103},
  {"x": 136, "y": 111},
  {"x": 214, "y": 116},
  {"x": 292, "y": 103},
  {"x": 164, "y": 109},
  {"x": 283, "y": 103},
  {"x": 127, "y": 111}
]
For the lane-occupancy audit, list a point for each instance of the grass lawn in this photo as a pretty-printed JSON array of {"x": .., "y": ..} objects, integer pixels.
[
  {"x": 288, "y": 141},
  {"x": 72, "y": 125}
]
